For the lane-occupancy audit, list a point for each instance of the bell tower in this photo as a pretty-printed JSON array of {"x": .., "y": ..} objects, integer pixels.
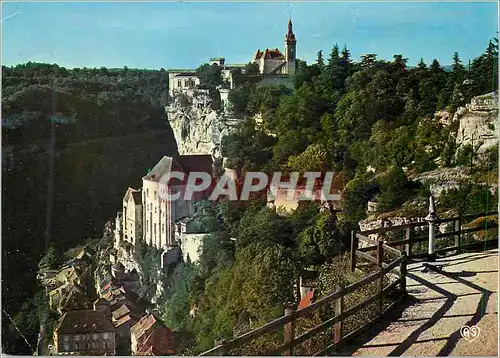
[{"x": 290, "y": 49}]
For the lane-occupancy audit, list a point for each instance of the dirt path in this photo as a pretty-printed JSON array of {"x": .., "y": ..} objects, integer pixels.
[{"x": 466, "y": 293}]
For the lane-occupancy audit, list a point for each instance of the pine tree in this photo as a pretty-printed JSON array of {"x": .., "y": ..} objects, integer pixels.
[
  {"x": 458, "y": 69},
  {"x": 421, "y": 64},
  {"x": 435, "y": 66},
  {"x": 320, "y": 61},
  {"x": 334, "y": 57},
  {"x": 368, "y": 60}
]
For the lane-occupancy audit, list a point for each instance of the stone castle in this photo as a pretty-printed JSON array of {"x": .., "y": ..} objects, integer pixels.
[{"x": 274, "y": 67}]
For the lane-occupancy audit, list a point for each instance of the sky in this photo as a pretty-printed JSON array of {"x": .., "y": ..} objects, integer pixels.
[{"x": 186, "y": 34}]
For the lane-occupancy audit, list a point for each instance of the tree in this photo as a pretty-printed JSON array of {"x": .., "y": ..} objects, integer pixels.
[
  {"x": 458, "y": 69},
  {"x": 421, "y": 64},
  {"x": 368, "y": 60},
  {"x": 209, "y": 75},
  {"x": 320, "y": 60},
  {"x": 251, "y": 68}
]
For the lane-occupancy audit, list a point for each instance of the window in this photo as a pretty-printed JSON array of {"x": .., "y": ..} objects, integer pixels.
[
  {"x": 155, "y": 229},
  {"x": 155, "y": 194},
  {"x": 147, "y": 193},
  {"x": 65, "y": 338},
  {"x": 163, "y": 227},
  {"x": 179, "y": 83}
]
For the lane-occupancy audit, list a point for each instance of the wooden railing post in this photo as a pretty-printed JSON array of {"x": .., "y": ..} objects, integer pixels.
[
  {"x": 354, "y": 247},
  {"x": 337, "y": 328},
  {"x": 408, "y": 245},
  {"x": 380, "y": 260},
  {"x": 289, "y": 333},
  {"x": 402, "y": 273},
  {"x": 458, "y": 228}
]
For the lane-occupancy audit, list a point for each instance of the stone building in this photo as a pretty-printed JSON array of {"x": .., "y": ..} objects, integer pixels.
[
  {"x": 159, "y": 214},
  {"x": 132, "y": 216},
  {"x": 272, "y": 61},
  {"x": 84, "y": 332},
  {"x": 182, "y": 81},
  {"x": 275, "y": 68}
]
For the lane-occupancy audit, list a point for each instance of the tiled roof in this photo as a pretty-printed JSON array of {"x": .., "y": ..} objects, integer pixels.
[
  {"x": 158, "y": 342},
  {"x": 120, "y": 312},
  {"x": 184, "y": 163},
  {"x": 76, "y": 301},
  {"x": 127, "y": 318},
  {"x": 84, "y": 321},
  {"x": 136, "y": 195},
  {"x": 143, "y": 326},
  {"x": 269, "y": 54}
]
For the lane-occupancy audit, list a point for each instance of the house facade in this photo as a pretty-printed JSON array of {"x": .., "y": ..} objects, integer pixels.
[
  {"x": 84, "y": 332},
  {"x": 132, "y": 216}
]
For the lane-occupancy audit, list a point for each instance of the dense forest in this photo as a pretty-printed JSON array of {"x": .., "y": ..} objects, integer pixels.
[
  {"x": 73, "y": 141},
  {"x": 344, "y": 116}
]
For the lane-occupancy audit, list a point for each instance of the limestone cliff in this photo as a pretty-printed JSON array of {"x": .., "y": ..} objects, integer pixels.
[
  {"x": 198, "y": 129},
  {"x": 478, "y": 123}
]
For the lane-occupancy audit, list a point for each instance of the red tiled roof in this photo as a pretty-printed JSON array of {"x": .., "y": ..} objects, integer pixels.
[
  {"x": 159, "y": 342},
  {"x": 84, "y": 321},
  {"x": 143, "y": 326},
  {"x": 269, "y": 54},
  {"x": 306, "y": 301}
]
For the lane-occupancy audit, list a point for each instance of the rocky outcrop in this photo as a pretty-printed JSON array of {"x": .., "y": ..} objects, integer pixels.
[
  {"x": 443, "y": 179},
  {"x": 198, "y": 129},
  {"x": 478, "y": 123}
]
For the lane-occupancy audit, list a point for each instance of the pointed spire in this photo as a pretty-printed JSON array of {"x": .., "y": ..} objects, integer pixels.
[{"x": 290, "y": 37}]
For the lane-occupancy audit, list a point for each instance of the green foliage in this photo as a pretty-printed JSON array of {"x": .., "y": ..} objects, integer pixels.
[
  {"x": 51, "y": 260},
  {"x": 393, "y": 189},
  {"x": 469, "y": 198},
  {"x": 247, "y": 148},
  {"x": 251, "y": 68}
]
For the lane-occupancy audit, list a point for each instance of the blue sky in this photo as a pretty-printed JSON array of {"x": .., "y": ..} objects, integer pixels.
[{"x": 184, "y": 35}]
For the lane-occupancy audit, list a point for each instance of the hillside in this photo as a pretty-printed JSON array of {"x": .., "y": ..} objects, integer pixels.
[{"x": 108, "y": 129}]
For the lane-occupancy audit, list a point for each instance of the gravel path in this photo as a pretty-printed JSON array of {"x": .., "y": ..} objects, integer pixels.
[{"x": 466, "y": 293}]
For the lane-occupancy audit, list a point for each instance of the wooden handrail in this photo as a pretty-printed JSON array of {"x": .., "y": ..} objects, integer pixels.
[
  {"x": 399, "y": 264},
  {"x": 425, "y": 223},
  {"x": 280, "y": 322}
]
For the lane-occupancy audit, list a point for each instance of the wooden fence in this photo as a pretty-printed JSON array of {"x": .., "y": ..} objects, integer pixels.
[
  {"x": 390, "y": 278},
  {"x": 415, "y": 233}
]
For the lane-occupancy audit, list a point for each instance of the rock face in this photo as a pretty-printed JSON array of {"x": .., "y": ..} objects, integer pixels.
[
  {"x": 443, "y": 179},
  {"x": 197, "y": 128},
  {"x": 478, "y": 123}
]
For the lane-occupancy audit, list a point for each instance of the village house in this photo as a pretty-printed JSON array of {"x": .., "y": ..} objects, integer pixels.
[
  {"x": 132, "y": 216},
  {"x": 150, "y": 337},
  {"x": 84, "y": 332}
]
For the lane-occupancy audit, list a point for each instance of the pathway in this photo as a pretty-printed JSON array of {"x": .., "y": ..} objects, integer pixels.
[{"x": 465, "y": 293}]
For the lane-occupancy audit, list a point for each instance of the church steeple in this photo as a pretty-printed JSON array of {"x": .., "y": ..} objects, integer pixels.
[
  {"x": 290, "y": 49},
  {"x": 290, "y": 37}
]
